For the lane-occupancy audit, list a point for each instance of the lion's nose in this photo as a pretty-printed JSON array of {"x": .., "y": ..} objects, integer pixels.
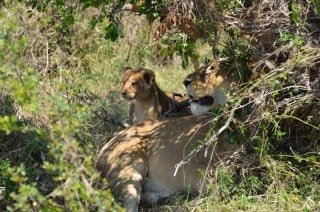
[
  {"x": 123, "y": 93},
  {"x": 186, "y": 82}
]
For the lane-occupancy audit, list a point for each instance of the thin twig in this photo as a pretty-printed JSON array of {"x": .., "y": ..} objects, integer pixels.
[
  {"x": 47, "y": 58},
  {"x": 11, "y": 152},
  {"x": 213, "y": 138},
  {"x": 108, "y": 118}
]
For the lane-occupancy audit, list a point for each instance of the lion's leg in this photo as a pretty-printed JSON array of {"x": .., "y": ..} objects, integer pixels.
[
  {"x": 131, "y": 195},
  {"x": 133, "y": 176},
  {"x": 153, "y": 198},
  {"x": 153, "y": 192}
]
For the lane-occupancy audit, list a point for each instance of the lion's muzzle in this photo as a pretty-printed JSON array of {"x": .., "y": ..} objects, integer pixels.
[{"x": 206, "y": 100}]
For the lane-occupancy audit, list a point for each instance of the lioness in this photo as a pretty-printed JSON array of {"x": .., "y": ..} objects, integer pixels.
[
  {"x": 148, "y": 101},
  {"x": 139, "y": 162},
  {"x": 207, "y": 88}
]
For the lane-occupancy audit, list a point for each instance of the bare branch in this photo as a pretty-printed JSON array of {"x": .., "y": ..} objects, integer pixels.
[
  {"x": 213, "y": 138},
  {"x": 108, "y": 118}
]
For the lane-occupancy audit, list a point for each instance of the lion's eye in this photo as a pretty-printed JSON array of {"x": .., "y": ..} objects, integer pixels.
[{"x": 134, "y": 83}]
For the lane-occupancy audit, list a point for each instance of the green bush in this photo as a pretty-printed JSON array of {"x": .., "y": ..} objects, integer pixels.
[{"x": 45, "y": 163}]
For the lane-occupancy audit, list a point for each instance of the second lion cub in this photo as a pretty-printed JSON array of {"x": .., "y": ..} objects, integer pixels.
[{"x": 148, "y": 101}]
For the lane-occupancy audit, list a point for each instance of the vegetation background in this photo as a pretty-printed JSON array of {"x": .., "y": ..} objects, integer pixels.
[{"x": 59, "y": 85}]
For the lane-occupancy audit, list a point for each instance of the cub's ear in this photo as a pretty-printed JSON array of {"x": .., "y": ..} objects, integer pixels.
[
  {"x": 126, "y": 70},
  {"x": 149, "y": 76}
]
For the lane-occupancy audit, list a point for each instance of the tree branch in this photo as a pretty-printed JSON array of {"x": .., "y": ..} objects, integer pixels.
[{"x": 213, "y": 138}]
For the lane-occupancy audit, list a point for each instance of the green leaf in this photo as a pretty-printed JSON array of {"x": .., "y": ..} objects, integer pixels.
[
  {"x": 112, "y": 32},
  {"x": 295, "y": 12}
]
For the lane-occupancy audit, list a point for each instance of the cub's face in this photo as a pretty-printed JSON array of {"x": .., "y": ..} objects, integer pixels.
[
  {"x": 137, "y": 83},
  {"x": 203, "y": 86}
]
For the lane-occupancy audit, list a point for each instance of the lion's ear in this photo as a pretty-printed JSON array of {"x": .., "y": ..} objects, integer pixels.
[
  {"x": 149, "y": 76},
  {"x": 209, "y": 69},
  {"x": 126, "y": 70},
  {"x": 212, "y": 67}
]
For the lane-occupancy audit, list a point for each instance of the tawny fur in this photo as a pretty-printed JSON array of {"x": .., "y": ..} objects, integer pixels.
[
  {"x": 148, "y": 101},
  {"x": 139, "y": 162},
  {"x": 208, "y": 80}
]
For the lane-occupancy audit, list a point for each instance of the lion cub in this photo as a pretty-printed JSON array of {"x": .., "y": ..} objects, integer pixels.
[{"x": 148, "y": 101}]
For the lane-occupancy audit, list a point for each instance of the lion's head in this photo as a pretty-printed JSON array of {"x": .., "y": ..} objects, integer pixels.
[
  {"x": 206, "y": 88},
  {"x": 137, "y": 83}
]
